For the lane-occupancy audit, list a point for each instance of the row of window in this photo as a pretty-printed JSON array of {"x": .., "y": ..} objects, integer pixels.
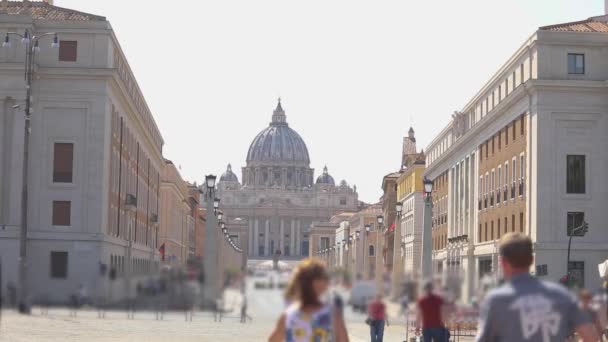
[
  {"x": 518, "y": 76},
  {"x": 494, "y": 232},
  {"x": 440, "y": 241},
  {"x": 488, "y": 148},
  {"x": 494, "y": 188}
]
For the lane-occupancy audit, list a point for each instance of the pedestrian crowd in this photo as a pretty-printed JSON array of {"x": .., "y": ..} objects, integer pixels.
[{"x": 522, "y": 308}]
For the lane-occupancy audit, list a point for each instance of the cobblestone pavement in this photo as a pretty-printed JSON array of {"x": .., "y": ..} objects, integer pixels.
[{"x": 264, "y": 306}]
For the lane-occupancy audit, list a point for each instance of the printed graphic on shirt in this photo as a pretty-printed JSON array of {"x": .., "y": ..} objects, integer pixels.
[{"x": 536, "y": 314}]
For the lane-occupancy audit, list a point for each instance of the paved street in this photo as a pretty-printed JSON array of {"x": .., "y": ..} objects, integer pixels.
[{"x": 264, "y": 305}]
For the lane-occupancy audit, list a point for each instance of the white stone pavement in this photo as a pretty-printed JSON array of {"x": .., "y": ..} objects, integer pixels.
[{"x": 264, "y": 306}]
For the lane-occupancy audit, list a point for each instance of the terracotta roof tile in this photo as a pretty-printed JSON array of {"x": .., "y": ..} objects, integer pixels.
[
  {"x": 43, "y": 11},
  {"x": 593, "y": 24}
]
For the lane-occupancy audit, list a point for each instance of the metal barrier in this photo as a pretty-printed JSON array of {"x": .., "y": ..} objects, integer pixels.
[{"x": 461, "y": 323}]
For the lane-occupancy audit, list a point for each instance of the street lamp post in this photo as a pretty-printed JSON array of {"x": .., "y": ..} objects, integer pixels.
[
  {"x": 398, "y": 260},
  {"x": 379, "y": 254},
  {"x": 427, "y": 245},
  {"x": 31, "y": 45},
  {"x": 210, "y": 259}
]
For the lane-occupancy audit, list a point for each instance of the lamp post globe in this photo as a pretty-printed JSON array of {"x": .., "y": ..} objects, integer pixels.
[
  {"x": 399, "y": 208},
  {"x": 380, "y": 219},
  {"x": 210, "y": 181},
  {"x": 428, "y": 186}
]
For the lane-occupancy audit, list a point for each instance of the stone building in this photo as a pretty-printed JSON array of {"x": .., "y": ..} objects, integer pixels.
[
  {"x": 278, "y": 196},
  {"x": 408, "y": 233},
  {"x": 95, "y": 156},
  {"x": 528, "y": 154}
]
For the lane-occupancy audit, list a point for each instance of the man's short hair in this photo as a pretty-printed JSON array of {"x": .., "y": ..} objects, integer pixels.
[{"x": 516, "y": 249}]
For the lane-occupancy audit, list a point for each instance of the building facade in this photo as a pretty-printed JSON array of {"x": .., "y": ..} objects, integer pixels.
[
  {"x": 278, "y": 197},
  {"x": 95, "y": 157},
  {"x": 527, "y": 154},
  {"x": 177, "y": 222},
  {"x": 410, "y": 225}
]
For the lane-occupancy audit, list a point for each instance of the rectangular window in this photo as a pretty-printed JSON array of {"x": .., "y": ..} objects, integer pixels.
[
  {"x": 68, "y": 50},
  {"x": 479, "y": 234},
  {"x": 507, "y": 135},
  {"x": 485, "y": 267},
  {"x": 521, "y": 123},
  {"x": 575, "y": 220},
  {"x": 575, "y": 174},
  {"x": 492, "y": 230},
  {"x": 576, "y": 269},
  {"x": 59, "y": 265},
  {"x": 499, "y": 178},
  {"x": 487, "y": 148},
  {"x": 498, "y": 228},
  {"x": 513, "y": 82},
  {"x": 492, "y": 145},
  {"x": 514, "y": 129},
  {"x": 485, "y": 233},
  {"x": 63, "y": 162},
  {"x": 513, "y": 223},
  {"x": 342, "y": 201},
  {"x": 61, "y": 213},
  {"x": 499, "y": 140},
  {"x": 576, "y": 63},
  {"x": 514, "y": 172},
  {"x": 521, "y": 222},
  {"x": 506, "y": 225}
]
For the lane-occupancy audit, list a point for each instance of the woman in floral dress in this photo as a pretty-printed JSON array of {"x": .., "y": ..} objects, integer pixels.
[{"x": 308, "y": 319}]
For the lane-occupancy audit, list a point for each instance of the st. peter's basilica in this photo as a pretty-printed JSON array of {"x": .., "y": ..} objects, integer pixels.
[{"x": 274, "y": 206}]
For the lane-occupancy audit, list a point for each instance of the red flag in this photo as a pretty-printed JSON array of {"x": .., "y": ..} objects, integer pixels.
[{"x": 161, "y": 249}]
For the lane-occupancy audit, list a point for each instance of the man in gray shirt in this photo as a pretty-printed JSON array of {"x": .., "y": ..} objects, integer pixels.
[{"x": 525, "y": 308}]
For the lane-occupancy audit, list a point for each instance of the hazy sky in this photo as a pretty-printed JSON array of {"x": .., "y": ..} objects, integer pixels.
[{"x": 352, "y": 74}]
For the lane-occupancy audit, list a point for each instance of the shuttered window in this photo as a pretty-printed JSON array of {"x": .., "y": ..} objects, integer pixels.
[
  {"x": 63, "y": 162},
  {"x": 61, "y": 213},
  {"x": 68, "y": 50}
]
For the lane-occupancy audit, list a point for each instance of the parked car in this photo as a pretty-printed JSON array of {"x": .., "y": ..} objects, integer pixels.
[{"x": 361, "y": 293}]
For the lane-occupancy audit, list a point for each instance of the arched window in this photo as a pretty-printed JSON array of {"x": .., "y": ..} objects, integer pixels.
[{"x": 371, "y": 250}]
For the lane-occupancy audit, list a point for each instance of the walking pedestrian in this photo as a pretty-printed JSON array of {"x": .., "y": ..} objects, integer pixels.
[
  {"x": 307, "y": 318},
  {"x": 376, "y": 312},
  {"x": 585, "y": 297},
  {"x": 431, "y": 309},
  {"x": 525, "y": 308}
]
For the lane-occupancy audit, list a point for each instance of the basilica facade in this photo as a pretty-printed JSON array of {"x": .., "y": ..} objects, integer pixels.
[{"x": 278, "y": 199}]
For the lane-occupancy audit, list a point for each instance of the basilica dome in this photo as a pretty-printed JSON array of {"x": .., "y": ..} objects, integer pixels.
[
  {"x": 229, "y": 176},
  {"x": 325, "y": 178},
  {"x": 278, "y": 144}
]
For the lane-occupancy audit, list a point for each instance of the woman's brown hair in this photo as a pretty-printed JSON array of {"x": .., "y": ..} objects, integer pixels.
[{"x": 300, "y": 287}]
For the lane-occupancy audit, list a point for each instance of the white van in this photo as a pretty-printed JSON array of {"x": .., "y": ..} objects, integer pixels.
[{"x": 361, "y": 293}]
